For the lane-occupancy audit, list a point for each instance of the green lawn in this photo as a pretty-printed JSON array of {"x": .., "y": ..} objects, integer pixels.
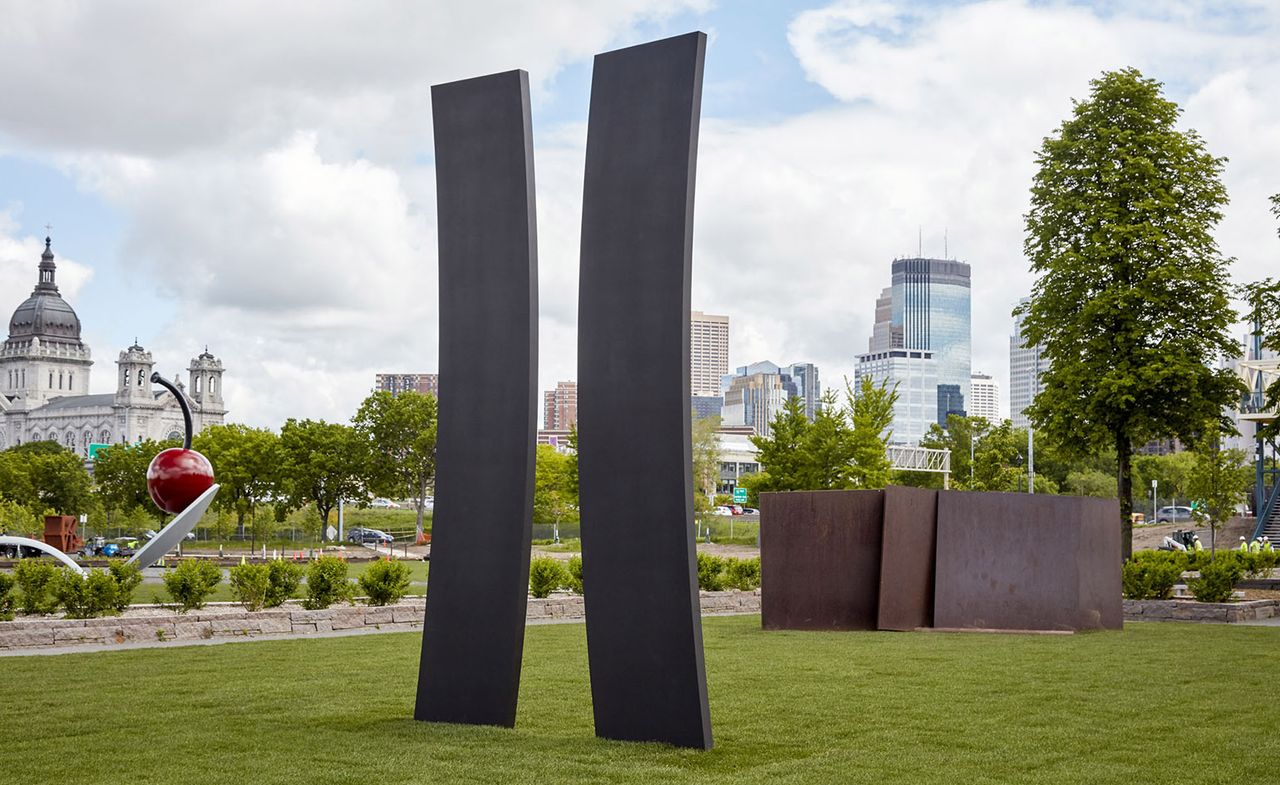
[{"x": 1158, "y": 703}]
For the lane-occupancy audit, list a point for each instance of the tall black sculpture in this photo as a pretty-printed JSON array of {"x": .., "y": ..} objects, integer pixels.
[
  {"x": 478, "y": 585},
  {"x": 644, "y": 630}
]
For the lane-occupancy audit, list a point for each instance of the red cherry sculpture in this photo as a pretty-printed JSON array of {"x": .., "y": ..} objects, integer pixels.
[{"x": 178, "y": 475}]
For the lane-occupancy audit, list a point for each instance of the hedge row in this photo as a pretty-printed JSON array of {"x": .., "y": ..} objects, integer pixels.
[
  {"x": 1151, "y": 575},
  {"x": 43, "y": 588},
  {"x": 715, "y": 573}
]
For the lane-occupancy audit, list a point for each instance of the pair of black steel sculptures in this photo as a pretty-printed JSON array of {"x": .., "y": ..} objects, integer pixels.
[{"x": 644, "y": 635}]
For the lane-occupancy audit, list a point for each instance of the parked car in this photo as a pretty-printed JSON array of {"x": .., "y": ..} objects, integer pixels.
[
  {"x": 363, "y": 536},
  {"x": 722, "y": 510},
  {"x": 750, "y": 511},
  {"x": 429, "y": 504},
  {"x": 385, "y": 504},
  {"x": 1175, "y": 514}
]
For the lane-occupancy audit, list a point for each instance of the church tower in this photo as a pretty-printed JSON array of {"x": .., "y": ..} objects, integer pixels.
[
  {"x": 205, "y": 389},
  {"x": 133, "y": 379},
  {"x": 44, "y": 357}
]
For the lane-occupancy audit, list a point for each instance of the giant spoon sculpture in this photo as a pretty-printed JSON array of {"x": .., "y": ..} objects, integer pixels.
[{"x": 180, "y": 482}]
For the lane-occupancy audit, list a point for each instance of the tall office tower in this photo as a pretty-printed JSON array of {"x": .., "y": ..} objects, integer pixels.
[
  {"x": 922, "y": 329},
  {"x": 1027, "y": 365},
  {"x": 804, "y": 385},
  {"x": 756, "y": 393},
  {"x": 984, "y": 396},
  {"x": 931, "y": 305},
  {"x": 560, "y": 407},
  {"x": 914, "y": 374},
  {"x": 884, "y": 334},
  {"x": 708, "y": 353},
  {"x": 396, "y": 383}
]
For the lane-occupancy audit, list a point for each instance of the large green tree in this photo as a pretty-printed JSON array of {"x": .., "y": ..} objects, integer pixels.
[
  {"x": 555, "y": 499},
  {"x": 1131, "y": 303},
  {"x": 400, "y": 435},
  {"x": 246, "y": 465},
  {"x": 1219, "y": 478},
  {"x": 321, "y": 463},
  {"x": 45, "y": 477},
  {"x": 870, "y": 409},
  {"x": 843, "y": 447},
  {"x": 705, "y": 452},
  {"x": 120, "y": 473}
]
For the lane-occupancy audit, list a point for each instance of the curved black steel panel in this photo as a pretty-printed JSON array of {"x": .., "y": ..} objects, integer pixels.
[
  {"x": 644, "y": 631},
  {"x": 478, "y": 584}
]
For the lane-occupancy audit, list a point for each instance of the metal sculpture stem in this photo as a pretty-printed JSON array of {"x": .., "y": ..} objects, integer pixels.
[{"x": 156, "y": 378}]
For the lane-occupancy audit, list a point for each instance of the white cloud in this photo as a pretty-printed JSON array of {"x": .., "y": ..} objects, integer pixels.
[
  {"x": 265, "y": 160},
  {"x": 940, "y": 113},
  {"x": 19, "y": 257}
]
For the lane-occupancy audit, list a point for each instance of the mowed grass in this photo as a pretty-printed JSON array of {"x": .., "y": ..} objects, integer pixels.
[{"x": 1157, "y": 703}]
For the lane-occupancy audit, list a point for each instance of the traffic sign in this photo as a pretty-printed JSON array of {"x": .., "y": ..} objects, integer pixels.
[
  {"x": 739, "y": 495},
  {"x": 94, "y": 448}
]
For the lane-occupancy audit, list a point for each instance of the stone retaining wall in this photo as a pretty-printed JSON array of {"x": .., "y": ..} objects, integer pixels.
[
  {"x": 1189, "y": 610},
  {"x": 151, "y": 623}
]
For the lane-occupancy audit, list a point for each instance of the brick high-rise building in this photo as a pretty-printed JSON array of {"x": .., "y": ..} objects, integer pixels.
[
  {"x": 396, "y": 383},
  {"x": 560, "y": 407}
]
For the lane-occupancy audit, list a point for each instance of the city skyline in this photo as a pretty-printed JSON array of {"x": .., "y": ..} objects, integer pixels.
[{"x": 300, "y": 243}]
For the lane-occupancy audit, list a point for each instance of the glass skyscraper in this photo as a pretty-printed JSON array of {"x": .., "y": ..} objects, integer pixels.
[
  {"x": 925, "y": 311},
  {"x": 931, "y": 305}
]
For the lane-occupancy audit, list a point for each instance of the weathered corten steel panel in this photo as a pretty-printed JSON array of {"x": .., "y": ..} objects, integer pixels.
[
  {"x": 478, "y": 587},
  {"x": 820, "y": 559},
  {"x": 644, "y": 629},
  {"x": 1030, "y": 562},
  {"x": 907, "y": 558}
]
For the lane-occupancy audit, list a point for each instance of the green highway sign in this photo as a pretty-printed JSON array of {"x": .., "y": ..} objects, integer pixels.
[
  {"x": 739, "y": 495},
  {"x": 93, "y": 450}
]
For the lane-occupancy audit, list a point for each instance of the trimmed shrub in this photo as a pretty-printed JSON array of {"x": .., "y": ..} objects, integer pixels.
[
  {"x": 1258, "y": 565},
  {"x": 1217, "y": 579},
  {"x": 191, "y": 582},
  {"x": 1150, "y": 579},
  {"x": 7, "y": 601},
  {"x": 85, "y": 596},
  {"x": 36, "y": 579},
  {"x": 545, "y": 576},
  {"x": 710, "y": 572},
  {"x": 127, "y": 577},
  {"x": 327, "y": 583},
  {"x": 285, "y": 578},
  {"x": 385, "y": 581},
  {"x": 743, "y": 574},
  {"x": 574, "y": 584},
  {"x": 250, "y": 584}
]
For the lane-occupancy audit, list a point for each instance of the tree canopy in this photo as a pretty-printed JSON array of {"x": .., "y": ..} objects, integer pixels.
[
  {"x": 843, "y": 447},
  {"x": 1132, "y": 300},
  {"x": 400, "y": 432},
  {"x": 321, "y": 463}
]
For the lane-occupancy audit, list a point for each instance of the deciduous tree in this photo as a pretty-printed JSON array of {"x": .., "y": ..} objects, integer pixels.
[
  {"x": 1131, "y": 303},
  {"x": 321, "y": 463},
  {"x": 246, "y": 464},
  {"x": 400, "y": 434}
]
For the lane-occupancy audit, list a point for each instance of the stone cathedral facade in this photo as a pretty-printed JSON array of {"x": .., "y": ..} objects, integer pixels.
[{"x": 44, "y": 382}]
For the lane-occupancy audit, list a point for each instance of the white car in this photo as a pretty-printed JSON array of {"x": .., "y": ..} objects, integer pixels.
[
  {"x": 722, "y": 510},
  {"x": 385, "y": 504}
]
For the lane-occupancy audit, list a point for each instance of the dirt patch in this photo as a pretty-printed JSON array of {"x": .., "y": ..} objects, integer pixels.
[{"x": 1229, "y": 534}]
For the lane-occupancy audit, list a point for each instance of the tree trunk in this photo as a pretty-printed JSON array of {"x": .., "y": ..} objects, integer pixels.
[
  {"x": 324, "y": 521},
  {"x": 422, "y": 503},
  {"x": 1124, "y": 490}
]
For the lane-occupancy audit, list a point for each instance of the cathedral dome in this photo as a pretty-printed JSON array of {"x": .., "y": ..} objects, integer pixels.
[{"x": 45, "y": 314}]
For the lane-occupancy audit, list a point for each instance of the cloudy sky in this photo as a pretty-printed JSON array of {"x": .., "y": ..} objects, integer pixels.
[{"x": 258, "y": 177}]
